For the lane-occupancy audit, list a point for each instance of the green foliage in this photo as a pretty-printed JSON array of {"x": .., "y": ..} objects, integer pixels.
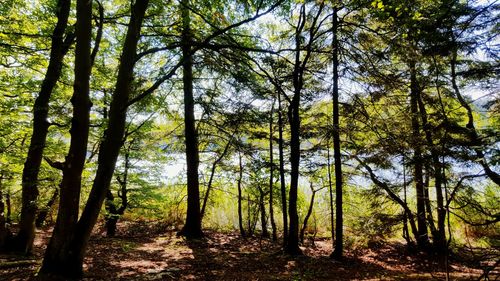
[{"x": 237, "y": 76}]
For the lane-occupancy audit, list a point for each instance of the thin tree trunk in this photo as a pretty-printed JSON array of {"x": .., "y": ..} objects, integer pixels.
[
  {"x": 428, "y": 206},
  {"x": 292, "y": 247},
  {"x": 4, "y": 231},
  {"x": 8, "y": 216},
  {"x": 262, "y": 207},
  {"x": 282, "y": 172},
  {"x": 422, "y": 239},
  {"x": 240, "y": 199},
  {"x": 42, "y": 215},
  {"x": 271, "y": 178},
  {"x": 339, "y": 222},
  {"x": 212, "y": 173},
  {"x": 114, "y": 213},
  {"x": 192, "y": 227},
  {"x": 300, "y": 63},
  {"x": 249, "y": 216},
  {"x": 293, "y": 231},
  {"x": 59, "y": 47},
  {"x": 406, "y": 233},
  {"x": 439, "y": 234},
  {"x": 59, "y": 257},
  {"x": 111, "y": 216},
  {"x": 309, "y": 213},
  {"x": 330, "y": 191}
]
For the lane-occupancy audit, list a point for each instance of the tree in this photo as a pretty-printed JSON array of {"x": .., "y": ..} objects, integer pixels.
[
  {"x": 59, "y": 256},
  {"x": 339, "y": 221},
  {"x": 75, "y": 234},
  {"x": 299, "y": 68},
  {"x": 59, "y": 47}
]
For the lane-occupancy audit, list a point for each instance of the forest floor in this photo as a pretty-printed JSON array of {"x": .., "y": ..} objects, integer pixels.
[{"x": 143, "y": 251}]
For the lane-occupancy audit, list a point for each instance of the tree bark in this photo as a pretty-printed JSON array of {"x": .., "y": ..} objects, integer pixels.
[
  {"x": 114, "y": 213},
  {"x": 8, "y": 217},
  {"x": 282, "y": 172},
  {"x": 109, "y": 148},
  {"x": 294, "y": 117},
  {"x": 240, "y": 198},
  {"x": 439, "y": 233},
  {"x": 300, "y": 63},
  {"x": 428, "y": 207},
  {"x": 4, "y": 231},
  {"x": 271, "y": 178},
  {"x": 308, "y": 215},
  {"x": 339, "y": 222},
  {"x": 59, "y": 47},
  {"x": 192, "y": 227},
  {"x": 330, "y": 193},
  {"x": 59, "y": 257},
  {"x": 262, "y": 208},
  {"x": 422, "y": 239},
  {"x": 73, "y": 253},
  {"x": 42, "y": 215}
]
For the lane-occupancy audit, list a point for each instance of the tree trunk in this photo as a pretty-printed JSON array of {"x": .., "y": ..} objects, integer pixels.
[
  {"x": 282, "y": 172},
  {"x": 59, "y": 257},
  {"x": 114, "y": 213},
  {"x": 109, "y": 148},
  {"x": 249, "y": 216},
  {"x": 439, "y": 234},
  {"x": 271, "y": 179},
  {"x": 240, "y": 199},
  {"x": 42, "y": 215},
  {"x": 8, "y": 216},
  {"x": 24, "y": 239},
  {"x": 428, "y": 206},
  {"x": 422, "y": 239},
  {"x": 192, "y": 227},
  {"x": 300, "y": 63},
  {"x": 293, "y": 231},
  {"x": 4, "y": 231},
  {"x": 330, "y": 192},
  {"x": 262, "y": 208},
  {"x": 406, "y": 233},
  {"x": 212, "y": 173},
  {"x": 339, "y": 222},
  {"x": 308, "y": 215}
]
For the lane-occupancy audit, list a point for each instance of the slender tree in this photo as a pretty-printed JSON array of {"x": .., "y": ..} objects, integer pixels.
[
  {"x": 282, "y": 171},
  {"x": 59, "y": 257},
  {"x": 423, "y": 239},
  {"x": 339, "y": 221},
  {"x": 59, "y": 47},
  {"x": 271, "y": 178},
  {"x": 301, "y": 58},
  {"x": 240, "y": 196}
]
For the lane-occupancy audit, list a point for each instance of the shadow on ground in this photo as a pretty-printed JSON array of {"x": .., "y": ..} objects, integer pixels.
[{"x": 145, "y": 253}]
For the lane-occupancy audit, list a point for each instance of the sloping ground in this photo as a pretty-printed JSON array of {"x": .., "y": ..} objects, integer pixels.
[{"x": 145, "y": 252}]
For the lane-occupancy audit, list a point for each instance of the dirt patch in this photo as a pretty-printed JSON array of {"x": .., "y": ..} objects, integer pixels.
[{"x": 150, "y": 252}]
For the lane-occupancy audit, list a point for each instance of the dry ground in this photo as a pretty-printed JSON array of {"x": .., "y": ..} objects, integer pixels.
[{"x": 147, "y": 252}]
